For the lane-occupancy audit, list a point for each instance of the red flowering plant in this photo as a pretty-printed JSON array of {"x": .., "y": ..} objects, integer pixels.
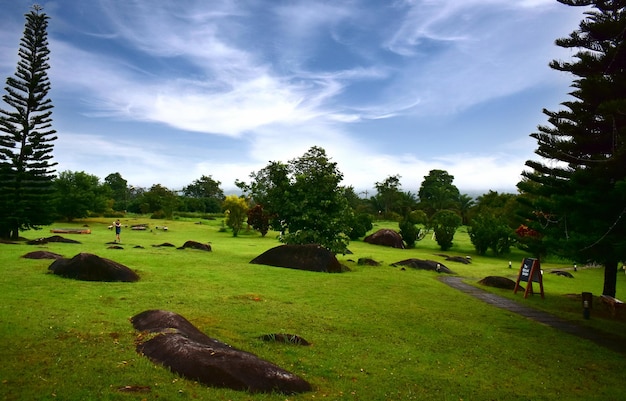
[{"x": 530, "y": 240}]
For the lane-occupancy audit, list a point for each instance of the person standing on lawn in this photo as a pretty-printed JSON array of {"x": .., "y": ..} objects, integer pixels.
[{"x": 118, "y": 230}]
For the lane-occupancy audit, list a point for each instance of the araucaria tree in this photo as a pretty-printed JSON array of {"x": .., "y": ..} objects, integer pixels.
[
  {"x": 26, "y": 135},
  {"x": 577, "y": 196}
]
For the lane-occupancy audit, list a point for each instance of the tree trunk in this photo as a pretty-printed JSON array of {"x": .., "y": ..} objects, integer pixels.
[{"x": 610, "y": 278}]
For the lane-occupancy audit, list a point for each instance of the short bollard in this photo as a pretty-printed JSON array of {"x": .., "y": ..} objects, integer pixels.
[{"x": 587, "y": 298}]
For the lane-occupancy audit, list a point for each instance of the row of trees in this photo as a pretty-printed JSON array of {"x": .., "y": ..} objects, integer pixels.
[
  {"x": 79, "y": 194},
  {"x": 573, "y": 200}
]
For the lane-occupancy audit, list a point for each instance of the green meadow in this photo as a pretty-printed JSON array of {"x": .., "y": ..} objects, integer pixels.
[{"x": 376, "y": 333}]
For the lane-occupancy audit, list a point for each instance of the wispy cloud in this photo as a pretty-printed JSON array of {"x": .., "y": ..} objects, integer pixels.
[{"x": 267, "y": 80}]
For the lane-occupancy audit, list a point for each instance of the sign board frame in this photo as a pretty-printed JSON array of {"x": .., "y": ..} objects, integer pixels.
[{"x": 529, "y": 272}]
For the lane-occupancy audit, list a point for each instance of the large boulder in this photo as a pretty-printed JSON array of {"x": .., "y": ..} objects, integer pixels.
[
  {"x": 385, "y": 237},
  {"x": 424, "y": 265},
  {"x": 89, "y": 267},
  {"x": 310, "y": 257},
  {"x": 187, "y": 351}
]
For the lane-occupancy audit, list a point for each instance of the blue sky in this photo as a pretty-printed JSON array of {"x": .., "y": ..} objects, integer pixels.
[{"x": 164, "y": 92}]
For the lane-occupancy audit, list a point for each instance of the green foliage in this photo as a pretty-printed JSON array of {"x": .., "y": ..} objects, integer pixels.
[
  {"x": 390, "y": 201},
  {"x": 573, "y": 199},
  {"x": 26, "y": 170},
  {"x": 409, "y": 232},
  {"x": 305, "y": 200},
  {"x": 360, "y": 223},
  {"x": 235, "y": 209},
  {"x": 158, "y": 199},
  {"x": 203, "y": 195},
  {"x": 437, "y": 192},
  {"x": 445, "y": 224},
  {"x": 118, "y": 189},
  {"x": 502, "y": 205},
  {"x": 78, "y": 194},
  {"x": 418, "y": 217},
  {"x": 490, "y": 232}
]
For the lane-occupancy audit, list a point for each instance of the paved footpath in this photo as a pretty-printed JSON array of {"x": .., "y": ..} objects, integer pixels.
[{"x": 606, "y": 340}]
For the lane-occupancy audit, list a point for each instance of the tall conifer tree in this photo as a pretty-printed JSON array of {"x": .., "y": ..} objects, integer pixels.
[
  {"x": 26, "y": 135},
  {"x": 577, "y": 193}
]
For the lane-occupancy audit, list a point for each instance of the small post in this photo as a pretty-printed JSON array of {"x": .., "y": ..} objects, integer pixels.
[{"x": 587, "y": 299}]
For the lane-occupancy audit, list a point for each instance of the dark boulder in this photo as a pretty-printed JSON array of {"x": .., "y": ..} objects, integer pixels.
[
  {"x": 54, "y": 238},
  {"x": 88, "y": 267},
  {"x": 367, "y": 262},
  {"x": 309, "y": 257},
  {"x": 187, "y": 351},
  {"x": 42, "y": 255},
  {"x": 461, "y": 259},
  {"x": 498, "y": 282},
  {"x": 562, "y": 273},
  {"x": 196, "y": 245},
  {"x": 424, "y": 265},
  {"x": 165, "y": 245},
  {"x": 385, "y": 237}
]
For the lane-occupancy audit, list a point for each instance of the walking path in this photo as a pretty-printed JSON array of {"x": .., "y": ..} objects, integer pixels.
[{"x": 606, "y": 340}]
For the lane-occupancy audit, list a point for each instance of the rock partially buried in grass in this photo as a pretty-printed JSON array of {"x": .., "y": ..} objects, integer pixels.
[
  {"x": 367, "y": 262},
  {"x": 54, "y": 238},
  {"x": 89, "y": 267},
  {"x": 42, "y": 255},
  {"x": 196, "y": 245},
  {"x": 302, "y": 257},
  {"x": 179, "y": 345},
  {"x": 562, "y": 273},
  {"x": 424, "y": 265},
  {"x": 165, "y": 245},
  {"x": 498, "y": 282}
]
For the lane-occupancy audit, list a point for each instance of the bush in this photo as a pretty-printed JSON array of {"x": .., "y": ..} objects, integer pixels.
[
  {"x": 490, "y": 232},
  {"x": 409, "y": 232},
  {"x": 360, "y": 224},
  {"x": 445, "y": 223}
]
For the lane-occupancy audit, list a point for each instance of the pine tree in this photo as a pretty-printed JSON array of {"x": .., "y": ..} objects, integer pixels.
[
  {"x": 26, "y": 135},
  {"x": 577, "y": 195}
]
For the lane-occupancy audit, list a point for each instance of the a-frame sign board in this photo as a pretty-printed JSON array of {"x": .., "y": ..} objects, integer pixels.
[{"x": 529, "y": 271}]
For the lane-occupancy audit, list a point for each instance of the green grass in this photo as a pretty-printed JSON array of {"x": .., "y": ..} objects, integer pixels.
[{"x": 377, "y": 333}]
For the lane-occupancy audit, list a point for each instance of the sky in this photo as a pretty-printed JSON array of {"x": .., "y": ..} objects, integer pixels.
[{"x": 164, "y": 92}]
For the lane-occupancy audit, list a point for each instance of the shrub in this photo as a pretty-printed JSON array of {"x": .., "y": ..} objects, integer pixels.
[
  {"x": 409, "y": 232},
  {"x": 445, "y": 223}
]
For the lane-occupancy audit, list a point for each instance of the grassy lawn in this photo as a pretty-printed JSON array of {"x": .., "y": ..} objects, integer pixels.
[{"x": 377, "y": 333}]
